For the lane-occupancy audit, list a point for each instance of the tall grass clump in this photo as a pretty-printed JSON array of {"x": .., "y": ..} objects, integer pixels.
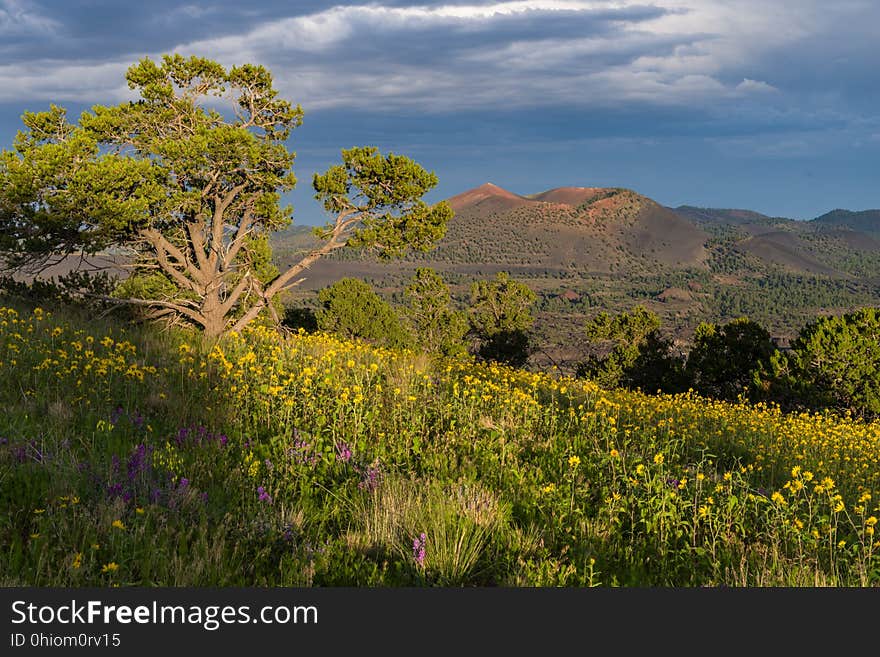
[{"x": 443, "y": 530}]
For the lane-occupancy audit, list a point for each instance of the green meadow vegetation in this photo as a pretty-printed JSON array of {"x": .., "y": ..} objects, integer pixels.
[{"x": 137, "y": 456}]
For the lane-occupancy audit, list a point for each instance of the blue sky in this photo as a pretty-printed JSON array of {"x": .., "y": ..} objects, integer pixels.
[{"x": 770, "y": 105}]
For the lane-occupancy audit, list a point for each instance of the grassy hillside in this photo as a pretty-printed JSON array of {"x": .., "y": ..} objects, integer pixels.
[{"x": 129, "y": 456}]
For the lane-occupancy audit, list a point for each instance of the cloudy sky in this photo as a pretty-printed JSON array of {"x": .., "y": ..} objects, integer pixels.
[{"x": 770, "y": 105}]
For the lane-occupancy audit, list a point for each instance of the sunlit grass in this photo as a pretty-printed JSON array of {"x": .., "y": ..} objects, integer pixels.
[{"x": 138, "y": 457}]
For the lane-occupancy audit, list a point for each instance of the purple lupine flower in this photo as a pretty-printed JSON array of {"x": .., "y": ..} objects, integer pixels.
[
  {"x": 263, "y": 496},
  {"x": 155, "y": 495},
  {"x": 184, "y": 483},
  {"x": 29, "y": 452},
  {"x": 204, "y": 498},
  {"x": 116, "y": 415},
  {"x": 114, "y": 490},
  {"x": 343, "y": 452},
  {"x": 372, "y": 478},
  {"x": 4, "y": 441},
  {"x": 419, "y": 549},
  {"x": 137, "y": 420},
  {"x": 137, "y": 462},
  {"x": 672, "y": 482},
  {"x": 223, "y": 439},
  {"x": 301, "y": 452}
]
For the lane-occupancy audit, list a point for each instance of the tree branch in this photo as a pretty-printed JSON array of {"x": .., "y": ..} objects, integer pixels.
[
  {"x": 153, "y": 303},
  {"x": 221, "y": 204},
  {"x": 240, "y": 234},
  {"x": 162, "y": 246},
  {"x": 241, "y": 286},
  {"x": 197, "y": 242},
  {"x": 337, "y": 240}
]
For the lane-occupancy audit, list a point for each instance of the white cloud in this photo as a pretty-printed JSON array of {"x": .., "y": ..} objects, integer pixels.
[
  {"x": 56, "y": 81},
  {"x": 688, "y": 54},
  {"x": 519, "y": 53},
  {"x": 748, "y": 86},
  {"x": 18, "y": 18}
]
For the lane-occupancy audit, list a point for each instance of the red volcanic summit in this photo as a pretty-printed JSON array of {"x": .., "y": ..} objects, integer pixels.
[
  {"x": 487, "y": 197},
  {"x": 492, "y": 198},
  {"x": 586, "y": 228},
  {"x": 573, "y": 196}
]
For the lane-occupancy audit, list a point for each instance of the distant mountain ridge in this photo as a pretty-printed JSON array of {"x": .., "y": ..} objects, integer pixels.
[
  {"x": 605, "y": 230},
  {"x": 867, "y": 221},
  {"x": 827, "y": 246},
  {"x": 862, "y": 220},
  {"x": 731, "y": 215}
]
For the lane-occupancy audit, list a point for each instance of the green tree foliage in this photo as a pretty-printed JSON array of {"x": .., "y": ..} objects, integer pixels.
[
  {"x": 65, "y": 288},
  {"x": 723, "y": 358},
  {"x": 500, "y": 318},
  {"x": 300, "y": 317},
  {"x": 834, "y": 362},
  {"x": 628, "y": 350},
  {"x": 193, "y": 193},
  {"x": 377, "y": 203},
  {"x": 438, "y": 326},
  {"x": 352, "y": 309}
]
